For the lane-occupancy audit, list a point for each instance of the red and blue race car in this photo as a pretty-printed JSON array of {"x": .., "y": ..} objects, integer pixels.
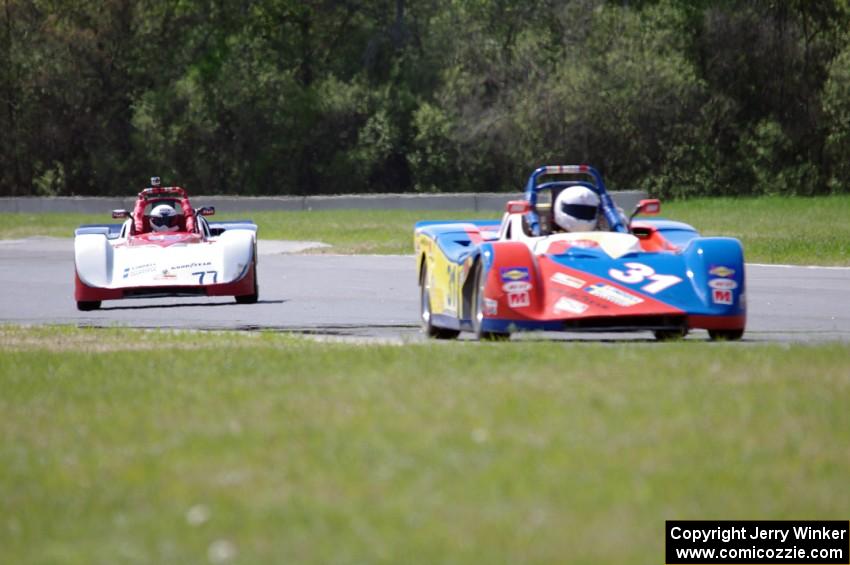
[{"x": 494, "y": 278}]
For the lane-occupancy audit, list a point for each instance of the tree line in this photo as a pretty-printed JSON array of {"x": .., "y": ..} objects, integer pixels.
[{"x": 678, "y": 97}]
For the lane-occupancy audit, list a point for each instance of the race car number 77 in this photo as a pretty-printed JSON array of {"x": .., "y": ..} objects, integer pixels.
[
  {"x": 202, "y": 274},
  {"x": 638, "y": 272}
]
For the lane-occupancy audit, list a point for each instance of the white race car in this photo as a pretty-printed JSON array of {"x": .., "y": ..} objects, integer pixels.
[{"x": 192, "y": 257}]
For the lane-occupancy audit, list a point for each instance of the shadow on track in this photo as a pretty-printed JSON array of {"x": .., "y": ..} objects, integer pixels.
[{"x": 186, "y": 305}]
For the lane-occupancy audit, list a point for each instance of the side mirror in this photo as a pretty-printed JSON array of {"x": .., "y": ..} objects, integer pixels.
[
  {"x": 518, "y": 207},
  {"x": 120, "y": 214},
  {"x": 648, "y": 206},
  {"x": 206, "y": 211}
]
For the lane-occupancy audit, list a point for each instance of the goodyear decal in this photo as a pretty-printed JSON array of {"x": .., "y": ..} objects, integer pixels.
[
  {"x": 513, "y": 274},
  {"x": 190, "y": 266}
]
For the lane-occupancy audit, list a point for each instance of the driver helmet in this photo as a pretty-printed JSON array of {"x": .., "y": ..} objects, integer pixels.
[
  {"x": 164, "y": 218},
  {"x": 576, "y": 209}
]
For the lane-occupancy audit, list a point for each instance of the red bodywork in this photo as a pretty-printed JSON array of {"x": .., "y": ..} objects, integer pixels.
[
  {"x": 545, "y": 291},
  {"x": 650, "y": 238},
  {"x": 555, "y": 294}
]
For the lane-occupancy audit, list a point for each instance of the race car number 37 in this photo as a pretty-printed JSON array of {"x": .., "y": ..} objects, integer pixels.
[{"x": 638, "y": 273}]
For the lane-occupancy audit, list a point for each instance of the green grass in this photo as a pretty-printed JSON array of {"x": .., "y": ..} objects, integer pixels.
[
  {"x": 154, "y": 447},
  {"x": 347, "y": 231},
  {"x": 353, "y": 231},
  {"x": 773, "y": 229},
  {"x": 795, "y": 230}
]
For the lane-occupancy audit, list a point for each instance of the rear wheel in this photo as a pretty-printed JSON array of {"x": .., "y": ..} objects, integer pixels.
[
  {"x": 726, "y": 335},
  {"x": 478, "y": 310},
  {"x": 428, "y": 326},
  {"x": 88, "y": 305}
]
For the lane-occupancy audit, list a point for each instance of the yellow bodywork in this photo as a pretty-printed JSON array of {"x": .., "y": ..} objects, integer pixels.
[{"x": 445, "y": 277}]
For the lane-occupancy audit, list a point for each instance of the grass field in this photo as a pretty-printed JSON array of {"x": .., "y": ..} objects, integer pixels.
[
  {"x": 795, "y": 230},
  {"x": 348, "y": 231},
  {"x": 773, "y": 230},
  {"x": 124, "y": 446}
]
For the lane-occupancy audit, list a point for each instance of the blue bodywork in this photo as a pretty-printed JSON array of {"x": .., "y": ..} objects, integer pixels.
[{"x": 704, "y": 264}]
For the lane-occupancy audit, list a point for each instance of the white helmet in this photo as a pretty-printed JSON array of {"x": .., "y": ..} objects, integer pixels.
[
  {"x": 164, "y": 218},
  {"x": 576, "y": 209}
]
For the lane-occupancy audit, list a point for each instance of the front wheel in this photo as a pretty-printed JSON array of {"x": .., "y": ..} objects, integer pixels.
[
  {"x": 88, "y": 305},
  {"x": 726, "y": 335},
  {"x": 251, "y": 298},
  {"x": 428, "y": 326},
  {"x": 478, "y": 310}
]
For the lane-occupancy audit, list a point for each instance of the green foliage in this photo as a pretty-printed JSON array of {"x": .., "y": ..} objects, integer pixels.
[
  {"x": 836, "y": 106},
  {"x": 289, "y": 97},
  {"x": 434, "y": 154}
]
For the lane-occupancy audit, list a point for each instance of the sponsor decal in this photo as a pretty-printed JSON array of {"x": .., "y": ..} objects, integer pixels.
[
  {"x": 516, "y": 286},
  {"x": 190, "y": 266},
  {"x": 721, "y": 271},
  {"x": 519, "y": 300},
  {"x": 587, "y": 243},
  {"x": 567, "y": 280},
  {"x": 514, "y": 274},
  {"x": 613, "y": 295},
  {"x": 165, "y": 275},
  {"x": 586, "y": 298},
  {"x": 565, "y": 304},
  {"x": 491, "y": 307},
  {"x": 137, "y": 270},
  {"x": 720, "y": 296},
  {"x": 723, "y": 284}
]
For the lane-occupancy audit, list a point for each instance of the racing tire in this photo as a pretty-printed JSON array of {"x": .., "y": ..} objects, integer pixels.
[
  {"x": 428, "y": 328},
  {"x": 726, "y": 335},
  {"x": 478, "y": 310},
  {"x": 88, "y": 305},
  {"x": 251, "y": 298},
  {"x": 670, "y": 335}
]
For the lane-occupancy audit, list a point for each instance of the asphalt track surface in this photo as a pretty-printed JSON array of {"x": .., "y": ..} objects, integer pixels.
[{"x": 372, "y": 297}]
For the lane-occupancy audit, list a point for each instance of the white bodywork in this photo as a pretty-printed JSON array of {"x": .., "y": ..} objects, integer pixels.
[
  {"x": 122, "y": 262},
  {"x": 615, "y": 244}
]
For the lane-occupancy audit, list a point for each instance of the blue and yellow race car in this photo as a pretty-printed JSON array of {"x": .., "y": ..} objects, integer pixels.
[{"x": 494, "y": 278}]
